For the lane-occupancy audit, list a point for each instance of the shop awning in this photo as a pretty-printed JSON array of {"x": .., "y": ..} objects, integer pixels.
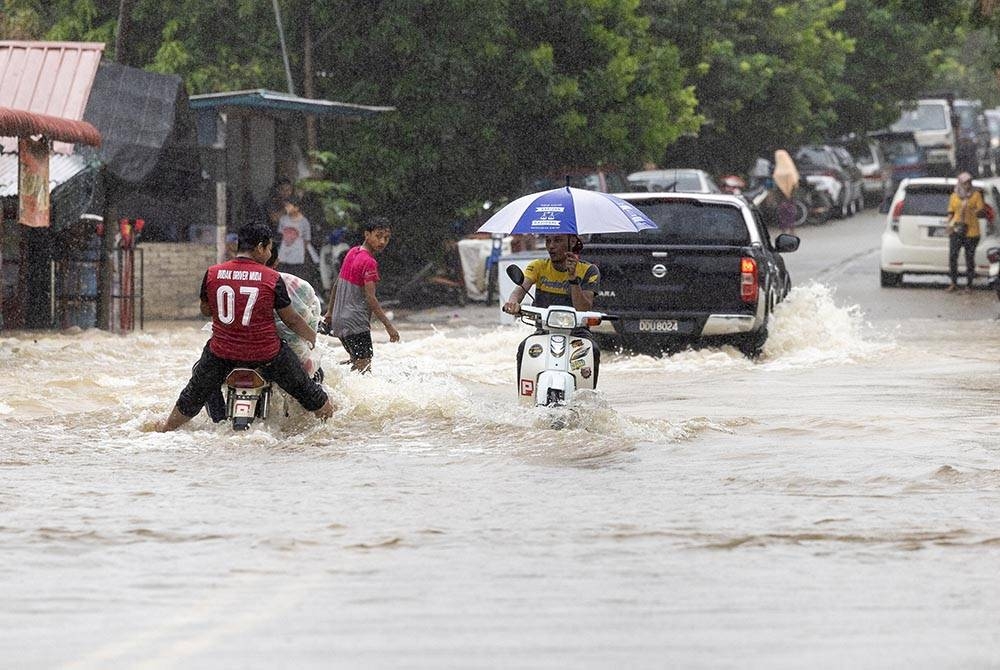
[
  {"x": 18, "y": 123},
  {"x": 274, "y": 101}
]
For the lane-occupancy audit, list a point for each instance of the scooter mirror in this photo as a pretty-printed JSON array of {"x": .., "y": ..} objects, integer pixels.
[{"x": 515, "y": 274}]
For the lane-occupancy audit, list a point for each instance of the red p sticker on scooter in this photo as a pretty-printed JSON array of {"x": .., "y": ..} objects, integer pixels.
[{"x": 527, "y": 387}]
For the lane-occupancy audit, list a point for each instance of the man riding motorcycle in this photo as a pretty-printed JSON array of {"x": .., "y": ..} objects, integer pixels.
[{"x": 560, "y": 279}]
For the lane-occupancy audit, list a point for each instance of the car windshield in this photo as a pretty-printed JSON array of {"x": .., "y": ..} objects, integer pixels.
[
  {"x": 669, "y": 181},
  {"x": 925, "y": 116},
  {"x": 966, "y": 116},
  {"x": 685, "y": 222},
  {"x": 900, "y": 149},
  {"x": 589, "y": 182},
  {"x": 813, "y": 157},
  {"x": 923, "y": 200}
]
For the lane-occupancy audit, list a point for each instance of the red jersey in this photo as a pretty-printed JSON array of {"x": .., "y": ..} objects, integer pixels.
[{"x": 242, "y": 295}]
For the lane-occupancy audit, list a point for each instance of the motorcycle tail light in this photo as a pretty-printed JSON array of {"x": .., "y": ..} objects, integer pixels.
[
  {"x": 592, "y": 321},
  {"x": 990, "y": 214},
  {"x": 993, "y": 255},
  {"x": 748, "y": 280},
  {"x": 242, "y": 378}
]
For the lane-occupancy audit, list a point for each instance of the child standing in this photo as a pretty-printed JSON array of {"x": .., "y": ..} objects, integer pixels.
[
  {"x": 296, "y": 240},
  {"x": 353, "y": 301}
]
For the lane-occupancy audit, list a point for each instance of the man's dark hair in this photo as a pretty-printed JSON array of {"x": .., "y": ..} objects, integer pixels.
[
  {"x": 251, "y": 235},
  {"x": 377, "y": 223}
]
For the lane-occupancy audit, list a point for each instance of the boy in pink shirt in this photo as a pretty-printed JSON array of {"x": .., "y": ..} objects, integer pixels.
[{"x": 353, "y": 301}]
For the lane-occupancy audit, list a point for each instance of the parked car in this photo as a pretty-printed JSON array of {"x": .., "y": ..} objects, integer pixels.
[
  {"x": 993, "y": 126},
  {"x": 876, "y": 170},
  {"x": 604, "y": 179},
  {"x": 830, "y": 168},
  {"x": 708, "y": 274},
  {"x": 907, "y": 157},
  {"x": 915, "y": 239},
  {"x": 973, "y": 138},
  {"x": 673, "y": 180},
  {"x": 930, "y": 121}
]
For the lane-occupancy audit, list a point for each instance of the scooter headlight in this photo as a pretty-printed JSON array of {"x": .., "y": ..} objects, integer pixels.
[{"x": 561, "y": 319}]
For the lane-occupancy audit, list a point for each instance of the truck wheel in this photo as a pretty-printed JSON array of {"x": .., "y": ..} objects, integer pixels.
[
  {"x": 752, "y": 343},
  {"x": 889, "y": 279}
]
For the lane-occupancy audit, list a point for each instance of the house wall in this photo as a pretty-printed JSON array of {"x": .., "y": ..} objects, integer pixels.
[{"x": 173, "y": 273}]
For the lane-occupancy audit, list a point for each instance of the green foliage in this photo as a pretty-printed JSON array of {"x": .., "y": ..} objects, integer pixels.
[
  {"x": 490, "y": 92},
  {"x": 336, "y": 197}
]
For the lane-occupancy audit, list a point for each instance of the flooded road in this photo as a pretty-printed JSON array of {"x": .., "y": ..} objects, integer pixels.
[{"x": 834, "y": 504}]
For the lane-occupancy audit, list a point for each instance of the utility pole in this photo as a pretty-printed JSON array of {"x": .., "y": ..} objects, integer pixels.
[
  {"x": 284, "y": 50},
  {"x": 123, "y": 32}
]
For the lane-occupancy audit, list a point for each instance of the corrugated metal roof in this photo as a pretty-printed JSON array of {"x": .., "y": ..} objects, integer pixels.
[
  {"x": 51, "y": 78},
  {"x": 61, "y": 169},
  {"x": 283, "y": 102}
]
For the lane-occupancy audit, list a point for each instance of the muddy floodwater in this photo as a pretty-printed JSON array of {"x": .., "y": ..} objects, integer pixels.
[{"x": 835, "y": 504}]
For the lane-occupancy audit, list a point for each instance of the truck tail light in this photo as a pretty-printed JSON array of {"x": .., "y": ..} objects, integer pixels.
[{"x": 748, "y": 280}]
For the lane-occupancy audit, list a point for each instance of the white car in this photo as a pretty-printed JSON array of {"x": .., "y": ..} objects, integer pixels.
[
  {"x": 915, "y": 239},
  {"x": 681, "y": 180}
]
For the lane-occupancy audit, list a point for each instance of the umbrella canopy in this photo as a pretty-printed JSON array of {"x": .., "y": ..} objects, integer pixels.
[
  {"x": 567, "y": 210},
  {"x": 786, "y": 176}
]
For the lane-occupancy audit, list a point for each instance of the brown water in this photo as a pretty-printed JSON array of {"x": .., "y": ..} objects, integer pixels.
[{"x": 836, "y": 503}]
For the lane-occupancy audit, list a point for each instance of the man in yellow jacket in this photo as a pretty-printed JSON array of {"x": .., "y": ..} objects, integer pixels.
[{"x": 964, "y": 209}]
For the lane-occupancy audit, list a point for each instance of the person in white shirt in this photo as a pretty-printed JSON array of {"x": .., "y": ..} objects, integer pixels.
[{"x": 296, "y": 241}]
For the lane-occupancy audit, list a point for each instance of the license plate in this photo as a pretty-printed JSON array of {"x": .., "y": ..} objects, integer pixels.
[
  {"x": 657, "y": 326},
  {"x": 937, "y": 231}
]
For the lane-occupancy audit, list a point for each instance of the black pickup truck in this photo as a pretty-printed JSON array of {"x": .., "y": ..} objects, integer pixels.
[{"x": 709, "y": 274}]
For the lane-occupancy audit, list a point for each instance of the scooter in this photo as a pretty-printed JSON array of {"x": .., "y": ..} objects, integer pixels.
[
  {"x": 555, "y": 363},
  {"x": 248, "y": 397}
]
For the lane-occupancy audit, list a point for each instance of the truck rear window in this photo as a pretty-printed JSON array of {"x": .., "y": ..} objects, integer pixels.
[{"x": 683, "y": 222}]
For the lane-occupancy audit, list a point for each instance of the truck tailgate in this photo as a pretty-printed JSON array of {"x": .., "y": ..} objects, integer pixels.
[{"x": 670, "y": 281}]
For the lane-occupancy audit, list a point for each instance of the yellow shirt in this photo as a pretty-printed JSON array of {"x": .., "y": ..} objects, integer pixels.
[
  {"x": 551, "y": 285},
  {"x": 969, "y": 214}
]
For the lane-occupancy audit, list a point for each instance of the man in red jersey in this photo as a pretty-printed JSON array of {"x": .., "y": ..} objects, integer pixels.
[{"x": 241, "y": 296}]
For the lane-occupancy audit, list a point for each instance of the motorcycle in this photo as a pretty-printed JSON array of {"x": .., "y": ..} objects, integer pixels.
[
  {"x": 812, "y": 205},
  {"x": 993, "y": 256},
  {"x": 556, "y": 363},
  {"x": 248, "y": 397}
]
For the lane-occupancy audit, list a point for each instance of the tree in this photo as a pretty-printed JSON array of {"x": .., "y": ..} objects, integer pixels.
[
  {"x": 761, "y": 69},
  {"x": 489, "y": 91}
]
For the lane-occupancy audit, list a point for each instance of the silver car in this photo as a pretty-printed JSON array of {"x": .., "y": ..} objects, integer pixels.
[{"x": 681, "y": 180}]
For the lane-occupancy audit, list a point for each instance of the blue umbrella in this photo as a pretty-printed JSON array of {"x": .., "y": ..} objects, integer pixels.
[{"x": 567, "y": 210}]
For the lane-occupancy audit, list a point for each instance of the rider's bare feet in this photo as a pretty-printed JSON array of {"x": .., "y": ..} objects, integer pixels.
[{"x": 326, "y": 411}]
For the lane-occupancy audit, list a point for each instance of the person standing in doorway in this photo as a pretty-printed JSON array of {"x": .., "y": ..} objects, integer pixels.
[
  {"x": 296, "y": 241},
  {"x": 352, "y": 298}
]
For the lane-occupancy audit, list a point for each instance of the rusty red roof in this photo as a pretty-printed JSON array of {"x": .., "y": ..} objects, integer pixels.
[
  {"x": 18, "y": 123},
  {"x": 51, "y": 78}
]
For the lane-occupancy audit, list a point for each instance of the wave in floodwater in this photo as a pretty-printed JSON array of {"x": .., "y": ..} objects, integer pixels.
[
  {"x": 449, "y": 386},
  {"x": 807, "y": 330}
]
